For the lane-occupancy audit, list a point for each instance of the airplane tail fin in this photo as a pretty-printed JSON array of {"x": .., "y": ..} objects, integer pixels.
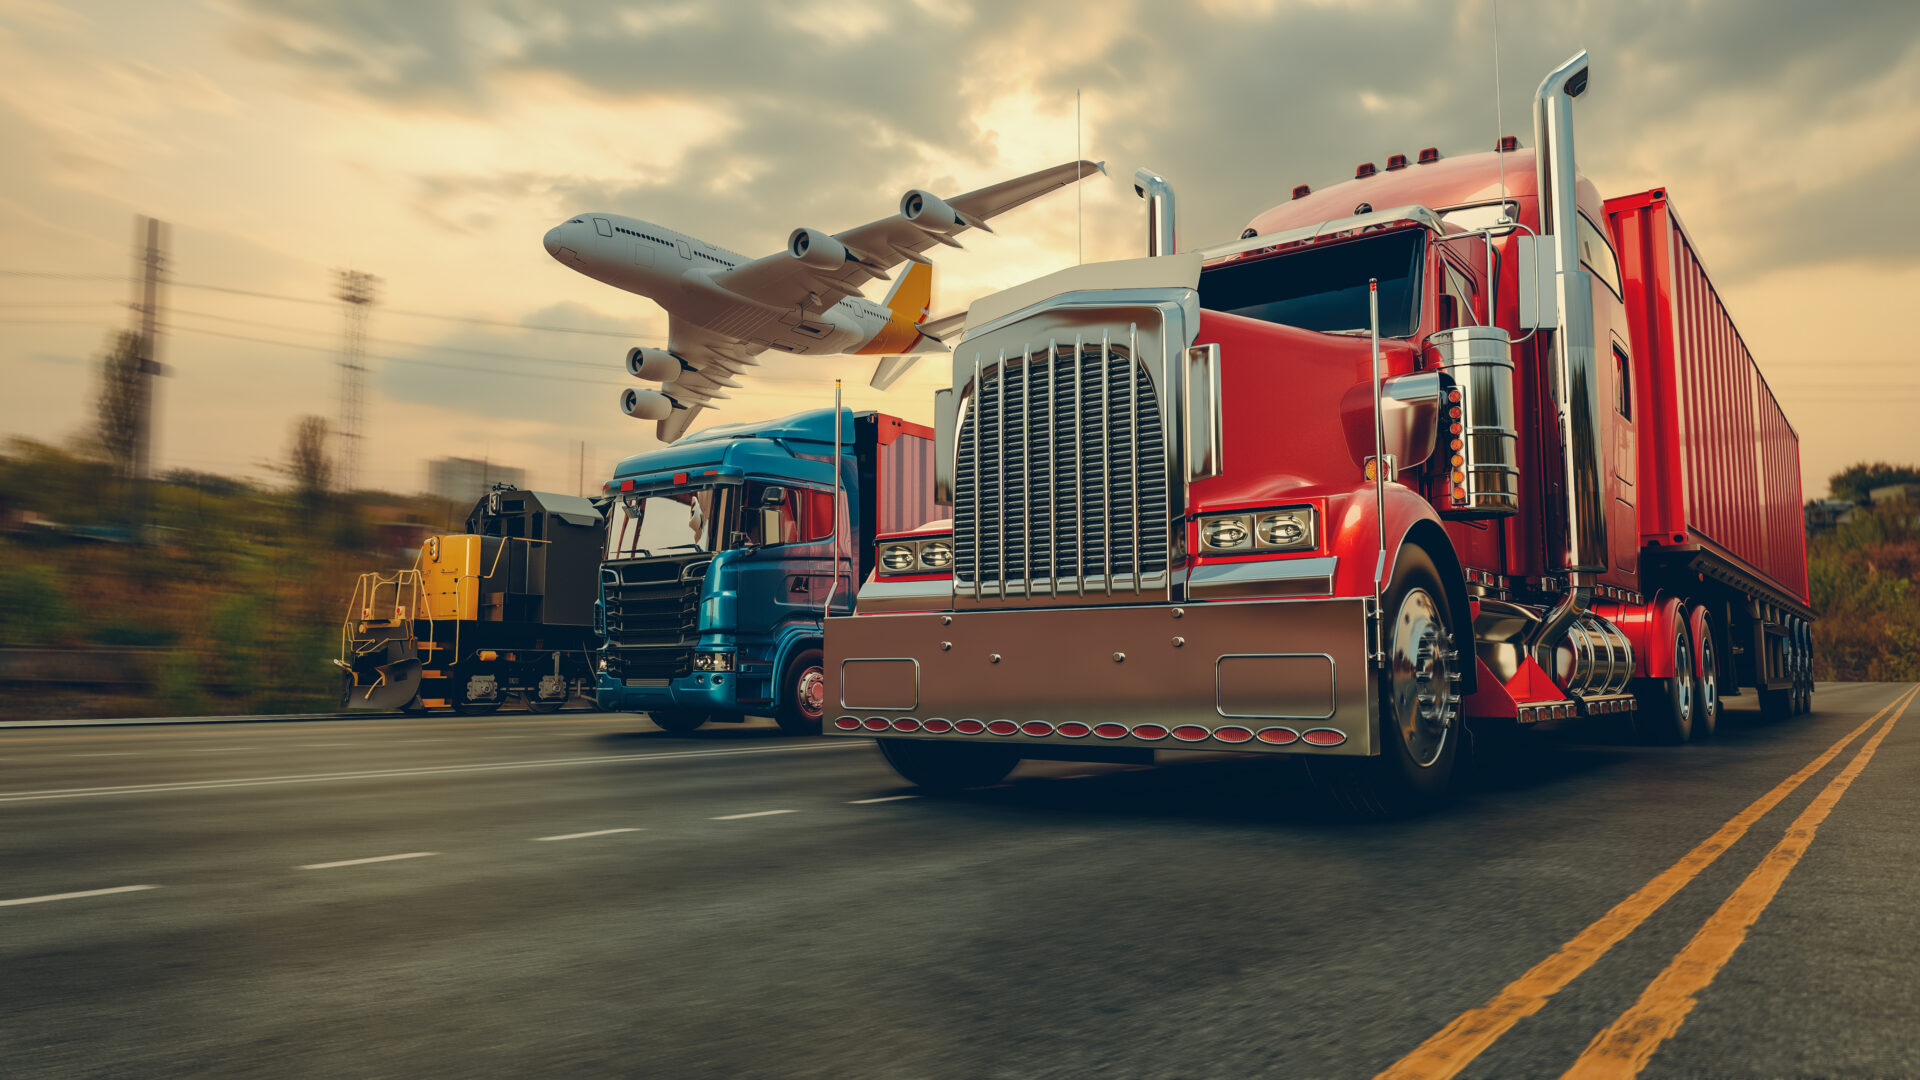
[{"x": 911, "y": 298}]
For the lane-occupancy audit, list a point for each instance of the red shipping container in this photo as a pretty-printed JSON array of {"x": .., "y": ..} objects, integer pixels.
[{"x": 1719, "y": 466}]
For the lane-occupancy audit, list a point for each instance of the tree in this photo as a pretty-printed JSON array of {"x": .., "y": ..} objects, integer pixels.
[
  {"x": 308, "y": 464},
  {"x": 1853, "y": 482},
  {"x": 117, "y": 410}
]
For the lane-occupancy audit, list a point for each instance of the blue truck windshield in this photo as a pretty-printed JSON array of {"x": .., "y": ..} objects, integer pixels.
[
  {"x": 684, "y": 519},
  {"x": 1325, "y": 288}
]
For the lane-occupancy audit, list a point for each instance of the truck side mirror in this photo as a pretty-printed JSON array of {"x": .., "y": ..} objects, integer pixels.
[
  {"x": 945, "y": 423},
  {"x": 770, "y": 521},
  {"x": 1539, "y": 302}
]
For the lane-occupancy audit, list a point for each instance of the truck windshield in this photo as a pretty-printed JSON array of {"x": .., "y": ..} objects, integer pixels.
[
  {"x": 685, "y": 519},
  {"x": 1325, "y": 288}
]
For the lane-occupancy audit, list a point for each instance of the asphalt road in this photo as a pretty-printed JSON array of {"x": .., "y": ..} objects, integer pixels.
[{"x": 582, "y": 895}]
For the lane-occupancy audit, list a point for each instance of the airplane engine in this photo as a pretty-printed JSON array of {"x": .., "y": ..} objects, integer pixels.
[
  {"x": 646, "y": 404},
  {"x": 652, "y": 365},
  {"x": 930, "y": 213},
  {"x": 817, "y": 249}
]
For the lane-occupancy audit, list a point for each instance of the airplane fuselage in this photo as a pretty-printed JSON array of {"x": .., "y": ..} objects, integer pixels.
[{"x": 676, "y": 271}]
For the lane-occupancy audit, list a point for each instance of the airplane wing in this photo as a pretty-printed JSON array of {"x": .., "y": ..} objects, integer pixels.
[
  {"x": 708, "y": 364},
  {"x": 781, "y": 280}
]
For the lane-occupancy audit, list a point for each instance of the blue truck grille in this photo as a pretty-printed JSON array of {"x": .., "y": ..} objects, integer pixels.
[{"x": 653, "y": 617}]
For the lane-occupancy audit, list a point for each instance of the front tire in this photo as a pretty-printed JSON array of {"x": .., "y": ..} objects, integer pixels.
[
  {"x": 677, "y": 721},
  {"x": 1666, "y": 713},
  {"x": 803, "y": 694},
  {"x": 1418, "y": 723},
  {"x": 945, "y": 767}
]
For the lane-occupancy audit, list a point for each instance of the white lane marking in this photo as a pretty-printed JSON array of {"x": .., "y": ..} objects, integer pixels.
[
  {"x": 76, "y": 895},
  {"x": 883, "y": 798},
  {"x": 583, "y": 835},
  {"x": 423, "y": 770},
  {"x": 502, "y": 736},
  {"x": 333, "y": 744},
  {"x": 756, "y": 813},
  {"x": 217, "y": 749},
  {"x": 362, "y": 862},
  {"x": 107, "y": 753}
]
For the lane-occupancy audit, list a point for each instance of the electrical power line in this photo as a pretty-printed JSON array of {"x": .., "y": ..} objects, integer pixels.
[{"x": 259, "y": 295}]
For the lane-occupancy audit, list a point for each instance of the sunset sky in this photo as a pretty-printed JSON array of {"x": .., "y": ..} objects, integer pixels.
[{"x": 433, "y": 143}]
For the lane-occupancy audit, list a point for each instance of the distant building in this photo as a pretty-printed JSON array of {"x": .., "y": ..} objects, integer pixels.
[
  {"x": 464, "y": 480},
  {"x": 1824, "y": 514},
  {"x": 1880, "y": 496}
]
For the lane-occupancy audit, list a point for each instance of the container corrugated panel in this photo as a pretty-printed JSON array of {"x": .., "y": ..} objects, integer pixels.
[
  {"x": 1715, "y": 431},
  {"x": 904, "y": 476}
]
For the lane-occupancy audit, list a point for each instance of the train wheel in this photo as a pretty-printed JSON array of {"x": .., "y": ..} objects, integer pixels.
[
  {"x": 803, "y": 694},
  {"x": 549, "y": 696},
  {"x": 1666, "y": 712},
  {"x": 1418, "y": 723},
  {"x": 1706, "y": 690},
  {"x": 474, "y": 692},
  {"x": 677, "y": 721},
  {"x": 939, "y": 766}
]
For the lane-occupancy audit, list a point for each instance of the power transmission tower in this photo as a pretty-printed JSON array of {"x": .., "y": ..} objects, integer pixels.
[
  {"x": 149, "y": 238},
  {"x": 356, "y": 292}
]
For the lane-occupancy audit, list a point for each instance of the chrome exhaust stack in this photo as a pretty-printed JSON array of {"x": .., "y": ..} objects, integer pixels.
[
  {"x": 1154, "y": 188},
  {"x": 1575, "y": 354}
]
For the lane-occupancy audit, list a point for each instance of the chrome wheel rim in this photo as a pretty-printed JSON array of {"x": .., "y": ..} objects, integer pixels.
[
  {"x": 1420, "y": 671},
  {"x": 1709, "y": 681},
  {"x": 812, "y": 693},
  {"x": 1683, "y": 678}
]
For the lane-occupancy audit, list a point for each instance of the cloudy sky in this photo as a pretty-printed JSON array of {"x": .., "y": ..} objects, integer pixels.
[{"x": 432, "y": 142}]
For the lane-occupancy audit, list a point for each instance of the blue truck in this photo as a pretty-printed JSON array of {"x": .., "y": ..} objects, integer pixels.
[{"x": 722, "y": 558}]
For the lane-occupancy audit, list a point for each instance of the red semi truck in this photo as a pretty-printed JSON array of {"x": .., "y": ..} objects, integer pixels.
[{"x": 1454, "y": 440}]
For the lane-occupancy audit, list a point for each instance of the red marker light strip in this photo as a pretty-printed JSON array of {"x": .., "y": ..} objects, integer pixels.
[
  {"x": 847, "y": 723},
  {"x": 937, "y": 726},
  {"x": 1003, "y": 727},
  {"x": 969, "y": 727}
]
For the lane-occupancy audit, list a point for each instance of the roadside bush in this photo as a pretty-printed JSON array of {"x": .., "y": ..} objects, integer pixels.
[{"x": 33, "y": 606}]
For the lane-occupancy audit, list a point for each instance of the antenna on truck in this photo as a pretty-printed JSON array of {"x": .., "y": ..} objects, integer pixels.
[{"x": 1499, "y": 122}]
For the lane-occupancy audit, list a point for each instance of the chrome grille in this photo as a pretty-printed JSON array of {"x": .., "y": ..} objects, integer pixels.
[{"x": 1060, "y": 483}]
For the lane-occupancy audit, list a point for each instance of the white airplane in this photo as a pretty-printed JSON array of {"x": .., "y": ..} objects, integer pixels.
[{"x": 723, "y": 308}]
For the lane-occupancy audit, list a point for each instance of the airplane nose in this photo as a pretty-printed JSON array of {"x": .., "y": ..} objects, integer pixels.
[{"x": 552, "y": 241}]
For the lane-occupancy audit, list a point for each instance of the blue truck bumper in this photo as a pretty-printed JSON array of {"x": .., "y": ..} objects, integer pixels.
[{"x": 718, "y": 692}]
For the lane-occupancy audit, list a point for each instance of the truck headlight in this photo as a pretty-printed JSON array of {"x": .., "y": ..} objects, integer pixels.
[
  {"x": 1229, "y": 533},
  {"x": 936, "y": 554},
  {"x": 713, "y": 661},
  {"x": 1289, "y": 529},
  {"x": 898, "y": 557},
  {"x": 1285, "y": 530}
]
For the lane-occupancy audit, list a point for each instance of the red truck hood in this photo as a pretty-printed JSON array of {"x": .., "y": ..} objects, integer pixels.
[{"x": 1297, "y": 408}]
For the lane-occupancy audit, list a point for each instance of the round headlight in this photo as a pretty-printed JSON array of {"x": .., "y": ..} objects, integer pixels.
[
  {"x": 1225, "y": 532},
  {"x": 937, "y": 554},
  {"x": 897, "y": 557},
  {"x": 1281, "y": 530}
]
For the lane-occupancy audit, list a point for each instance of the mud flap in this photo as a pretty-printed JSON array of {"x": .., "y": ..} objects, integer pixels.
[{"x": 399, "y": 682}]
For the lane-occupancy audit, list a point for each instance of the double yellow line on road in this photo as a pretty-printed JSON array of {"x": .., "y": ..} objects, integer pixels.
[{"x": 1626, "y": 1045}]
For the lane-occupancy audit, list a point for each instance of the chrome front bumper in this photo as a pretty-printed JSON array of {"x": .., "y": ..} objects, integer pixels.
[{"x": 1283, "y": 675}]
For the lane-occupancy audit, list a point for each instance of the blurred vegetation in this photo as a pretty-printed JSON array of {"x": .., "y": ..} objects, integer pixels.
[
  {"x": 237, "y": 590},
  {"x": 1865, "y": 580},
  {"x": 1855, "y": 482}
]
